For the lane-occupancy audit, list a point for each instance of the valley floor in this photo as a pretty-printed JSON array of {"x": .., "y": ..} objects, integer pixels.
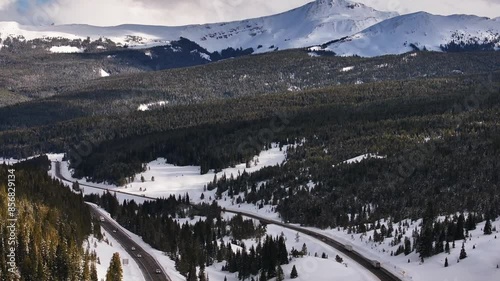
[{"x": 481, "y": 263}]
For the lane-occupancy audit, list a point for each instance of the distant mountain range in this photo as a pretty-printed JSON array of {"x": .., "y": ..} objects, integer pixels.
[{"x": 340, "y": 26}]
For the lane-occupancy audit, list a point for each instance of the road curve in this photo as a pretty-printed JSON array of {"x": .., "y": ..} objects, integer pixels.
[{"x": 381, "y": 273}]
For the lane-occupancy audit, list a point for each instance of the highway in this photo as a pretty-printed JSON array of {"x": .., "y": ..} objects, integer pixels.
[
  {"x": 146, "y": 263},
  {"x": 381, "y": 273}
]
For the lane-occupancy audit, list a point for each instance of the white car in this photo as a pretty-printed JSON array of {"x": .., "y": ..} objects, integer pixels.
[
  {"x": 139, "y": 255},
  {"x": 133, "y": 248},
  {"x": 158, "y": 271}
]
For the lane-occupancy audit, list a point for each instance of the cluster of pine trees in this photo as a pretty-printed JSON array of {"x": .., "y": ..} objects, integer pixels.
[{"x": 52, "y": 224}]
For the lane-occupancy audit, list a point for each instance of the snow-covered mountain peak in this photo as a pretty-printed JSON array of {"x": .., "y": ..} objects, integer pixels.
[
  {"x": 347, "y": 9},
  {"x": 422, "y": 31}
]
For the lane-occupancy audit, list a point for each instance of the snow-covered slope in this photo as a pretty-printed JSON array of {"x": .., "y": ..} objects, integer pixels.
[
  {"x": 314, "y": 23},
  {"x": 422, "y": 30}
]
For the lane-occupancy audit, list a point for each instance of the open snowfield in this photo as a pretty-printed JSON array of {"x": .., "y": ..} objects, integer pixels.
[
  {"x": 105, "y": 251},
  {"x": 175, "y": 180}
]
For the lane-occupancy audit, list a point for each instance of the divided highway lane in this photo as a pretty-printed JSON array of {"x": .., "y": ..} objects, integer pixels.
[
  {"x": 380, "y": 273},
  {"x": 146, "y": 263}
]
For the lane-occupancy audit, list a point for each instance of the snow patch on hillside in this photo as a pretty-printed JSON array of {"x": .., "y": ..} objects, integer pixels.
[
  {"x": 103, "y": 73},
  {"x": 360, "y": 158},
  {"x": 149, "y": 106},
  {"x": 347, "y": 69},
  {"x": 65, "y": 49}
]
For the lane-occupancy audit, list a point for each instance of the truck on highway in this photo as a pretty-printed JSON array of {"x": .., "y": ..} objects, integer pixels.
[
  {"x": 348, "y": 247},
  {"x": 375, "y": 263},
  {"x": 101, "y": 218}
]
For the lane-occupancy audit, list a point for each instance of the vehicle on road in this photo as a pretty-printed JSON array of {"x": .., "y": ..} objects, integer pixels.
[
  {"x": 139, "y": 255},
  {"x": 375, "y": 263},
  {"x": 114, "y": 230},
  {"x": 101, "y": 219},
  {"x": 158, "y": 271},
  {"x": 133, "y": 248}
]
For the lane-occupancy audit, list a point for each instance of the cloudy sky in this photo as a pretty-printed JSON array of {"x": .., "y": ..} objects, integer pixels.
[{"x": 181, "y": 12}]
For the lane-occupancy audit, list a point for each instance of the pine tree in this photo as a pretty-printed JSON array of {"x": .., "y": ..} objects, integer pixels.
[
  {"x": 487, "y": 227},
  {"x": 192, "y": 274},
  {"x": 446, "y": 262},
  {"x": 407, "y": 246},
  {"x": 86, "y": 270},
  {"x": 263, "y": 276},
  {"x": 93, "y": 272},
  {"x": 304, "y": 249},
  {"x": 115, "y": 271},
  {"x": 463, "y": 254},
  {"x": 201, "y": 274},
  {"x": 447, "y": 248},
  {"x": 280, "y": 276},
  {"x": 294, "y": 273}
]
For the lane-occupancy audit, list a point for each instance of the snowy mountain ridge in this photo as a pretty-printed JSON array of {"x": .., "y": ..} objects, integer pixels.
[
  {"x": 349, "y": 28},
  {"x": 422, "y": 31},
  {"x": 314, "y": 23}
]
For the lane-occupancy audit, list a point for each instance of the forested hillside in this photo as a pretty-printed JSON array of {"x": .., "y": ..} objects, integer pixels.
[
  {"x": 278, "y": 72},
  {"x": 52, "y": 223}
]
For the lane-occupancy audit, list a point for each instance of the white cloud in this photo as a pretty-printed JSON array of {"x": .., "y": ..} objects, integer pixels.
[
  {"x": 163, "y": 12},
  {"x": 488, "y": 8},
  {"x": 182, "y": 12},
  {"x": 5, "y": 3}
]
